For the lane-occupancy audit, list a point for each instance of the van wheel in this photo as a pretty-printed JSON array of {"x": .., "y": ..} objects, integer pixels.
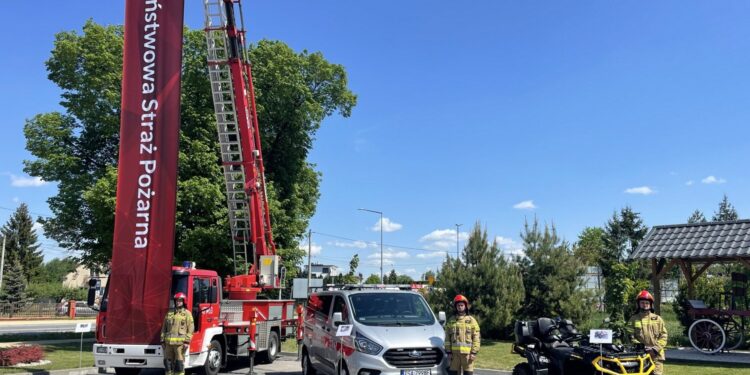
[
  {"x": 269, "y": 355},
  {"x": 307, "y": 367},
  {"x": 522, "y": 369},
  {"x": 213, "y": 360},
  {"x": 127, "y": 371},
  {"x": 343, "y": 370}
]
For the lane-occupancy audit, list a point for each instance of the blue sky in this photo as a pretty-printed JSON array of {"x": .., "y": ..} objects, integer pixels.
[{"x": 487, "y": 111}]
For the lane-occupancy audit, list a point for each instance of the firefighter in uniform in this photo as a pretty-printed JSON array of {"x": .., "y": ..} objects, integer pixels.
[
  {"x": 648, "y": 329},
  {"x": 175, "y": 336},
  {"x": 462, "y": 338}
]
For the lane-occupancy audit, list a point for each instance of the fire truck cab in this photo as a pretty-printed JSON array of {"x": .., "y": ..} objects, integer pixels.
[{"x": 222, "y": 327}]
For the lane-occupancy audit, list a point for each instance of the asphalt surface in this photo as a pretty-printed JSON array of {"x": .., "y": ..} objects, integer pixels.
[{"x": 286, "y": 364}]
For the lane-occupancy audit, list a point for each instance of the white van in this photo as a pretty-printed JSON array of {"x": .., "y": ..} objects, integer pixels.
[{"x": 393, "y": 332}]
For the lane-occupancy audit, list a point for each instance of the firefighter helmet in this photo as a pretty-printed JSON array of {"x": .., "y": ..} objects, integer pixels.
[
  {"x": 461, "y": 298},
  {"x": 180, "y": 295},
  {"x": 644, "y": 295}
]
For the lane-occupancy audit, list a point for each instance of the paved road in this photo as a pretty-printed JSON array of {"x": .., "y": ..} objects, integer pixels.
[
  {"x": 284, "y": 365},
  {"x": 39, "y": 326}
]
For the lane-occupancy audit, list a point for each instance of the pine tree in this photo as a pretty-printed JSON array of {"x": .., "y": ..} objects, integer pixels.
[
  {"x": 492, "y": 283},
  {"x": 14, "y": 284},
  {"x": 392, "y": 277},
  {"x": 553, "y": 276},
  {"x": 696, "y": 217},
  {"x": 726, "y": 211},
  {"x": 622, "y": 234},
  {"x": 22, "y": 243}
]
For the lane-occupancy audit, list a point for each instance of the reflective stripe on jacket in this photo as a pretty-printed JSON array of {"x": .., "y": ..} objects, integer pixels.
[
  {"x": 177, "y": 328},
  {"x": 462, "y": 335},
  {"x": 648, "y": 329}
]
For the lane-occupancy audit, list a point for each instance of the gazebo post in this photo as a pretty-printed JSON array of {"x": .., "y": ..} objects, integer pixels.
[{"x": 656, "y": 285}]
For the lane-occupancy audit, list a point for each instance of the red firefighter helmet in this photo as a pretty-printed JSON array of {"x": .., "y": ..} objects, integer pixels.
[
  {"x": 644, "y": 295},
  {"x": 461, "y": 298},
  {"x": 180, "y": 295}
]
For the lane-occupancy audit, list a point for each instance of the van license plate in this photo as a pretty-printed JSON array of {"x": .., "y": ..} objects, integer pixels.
[{"x": 415, "y": 372}]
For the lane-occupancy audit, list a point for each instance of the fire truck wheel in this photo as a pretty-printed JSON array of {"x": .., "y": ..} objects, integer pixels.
[
  {"x": 213, "y": 360},
  {"x": 307, "y": 367},
  {"x": 127, "y": 371},
  {"x": 269, "y": 355}
]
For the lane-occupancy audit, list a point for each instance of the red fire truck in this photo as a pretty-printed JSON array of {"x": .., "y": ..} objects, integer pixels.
[{"x": 230, "y": 319}]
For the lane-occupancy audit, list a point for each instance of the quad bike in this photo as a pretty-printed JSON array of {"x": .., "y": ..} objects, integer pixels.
[{"x": 554, "y": 347}]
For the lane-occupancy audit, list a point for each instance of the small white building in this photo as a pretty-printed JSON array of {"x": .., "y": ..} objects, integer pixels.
[{"x": 320, "y": 271}]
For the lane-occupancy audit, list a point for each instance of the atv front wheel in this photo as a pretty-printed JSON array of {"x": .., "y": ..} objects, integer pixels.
[{"x": 522, "y": 369}]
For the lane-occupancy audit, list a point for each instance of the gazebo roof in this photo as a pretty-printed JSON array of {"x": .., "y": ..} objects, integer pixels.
[{"x": 704, "y": 241}]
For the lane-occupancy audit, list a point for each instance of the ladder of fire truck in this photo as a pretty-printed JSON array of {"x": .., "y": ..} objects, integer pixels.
[{"x": 239, "y": 137}]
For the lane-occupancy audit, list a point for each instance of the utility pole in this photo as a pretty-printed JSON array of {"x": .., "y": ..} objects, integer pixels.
[
  {"x": 2, "y": 264},
  {"x": 381, "y": 240},
  {"x": 457, "y": 225},
  {"x": 309, "y": 258}
]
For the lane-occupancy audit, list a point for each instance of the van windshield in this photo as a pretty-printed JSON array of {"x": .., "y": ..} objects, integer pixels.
[{"x": 391, "y": 309}]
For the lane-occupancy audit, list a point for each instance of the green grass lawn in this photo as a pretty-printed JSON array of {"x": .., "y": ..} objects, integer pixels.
[{"x": 62, "y": 356}]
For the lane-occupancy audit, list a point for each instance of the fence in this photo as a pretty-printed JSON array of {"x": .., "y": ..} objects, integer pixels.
[{"x": 21, "y": 310}]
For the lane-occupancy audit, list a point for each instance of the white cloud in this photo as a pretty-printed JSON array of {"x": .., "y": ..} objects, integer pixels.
[
  {"x": 353, "y": 244},
  {"x": 525, "y": 205},
  {"x": 38, "y": 228},
  {"x": 432, "y": 254},
  {"x": 643, "y": 190},
  {"x": 410, "y": 271},
  {"x": 689, "y": 183},
  {"x": 315, "y": 248},
  {"x": 509, "y": 246},
  {"x": 713, "y": 180},
  {"x": 389, "y": 254},
  {"x": 16, "y": 200},
  {"x": 444, "y": 235},
  {"x": 20, "y": 181},
  {"x": 388, "y": 226}
]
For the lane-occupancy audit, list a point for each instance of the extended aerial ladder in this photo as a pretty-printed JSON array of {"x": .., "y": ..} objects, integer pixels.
[{"x": 239, "y": 139}]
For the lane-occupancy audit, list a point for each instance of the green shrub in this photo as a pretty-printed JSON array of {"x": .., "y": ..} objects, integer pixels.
[{"x": 55, "y": 291}]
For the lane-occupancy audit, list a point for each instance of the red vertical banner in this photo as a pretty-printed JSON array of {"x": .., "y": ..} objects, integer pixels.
[{"x": 140, "y": 279}]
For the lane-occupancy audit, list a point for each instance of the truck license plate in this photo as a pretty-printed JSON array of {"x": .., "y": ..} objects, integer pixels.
[{"x": 415, "y": 372}]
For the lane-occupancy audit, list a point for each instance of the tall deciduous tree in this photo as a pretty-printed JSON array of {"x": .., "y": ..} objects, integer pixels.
[
  {"x": 22, "y": 243},
  {"x": 552, "y": 276},
  {"x": 78, "y": 149},
  {"x": 492, "y": 283},
  {"x": 726, "y": 211},
  {"x": 373, "y": 279},
  {"x": 696, "y": 217}
]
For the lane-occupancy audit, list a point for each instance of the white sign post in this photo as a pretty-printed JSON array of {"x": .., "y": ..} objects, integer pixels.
[
  {"x": 344, "y": 330},
  {"x": 600, "y": 336},
  {"x": 82, "y": 328}
]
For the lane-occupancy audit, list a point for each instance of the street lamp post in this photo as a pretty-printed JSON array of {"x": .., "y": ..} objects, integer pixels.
[
  {"x": 457, "y": 225},
  {"x": 381, "y": 240}
]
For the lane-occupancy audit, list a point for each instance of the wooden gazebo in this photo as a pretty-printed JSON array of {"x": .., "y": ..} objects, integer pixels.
[{"x": 693, "y": 248}]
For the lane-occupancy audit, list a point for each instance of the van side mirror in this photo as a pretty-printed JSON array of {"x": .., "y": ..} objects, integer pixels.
[
  {"x": 338, "y": 318},
  {"x": 441, "y": 317}
]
